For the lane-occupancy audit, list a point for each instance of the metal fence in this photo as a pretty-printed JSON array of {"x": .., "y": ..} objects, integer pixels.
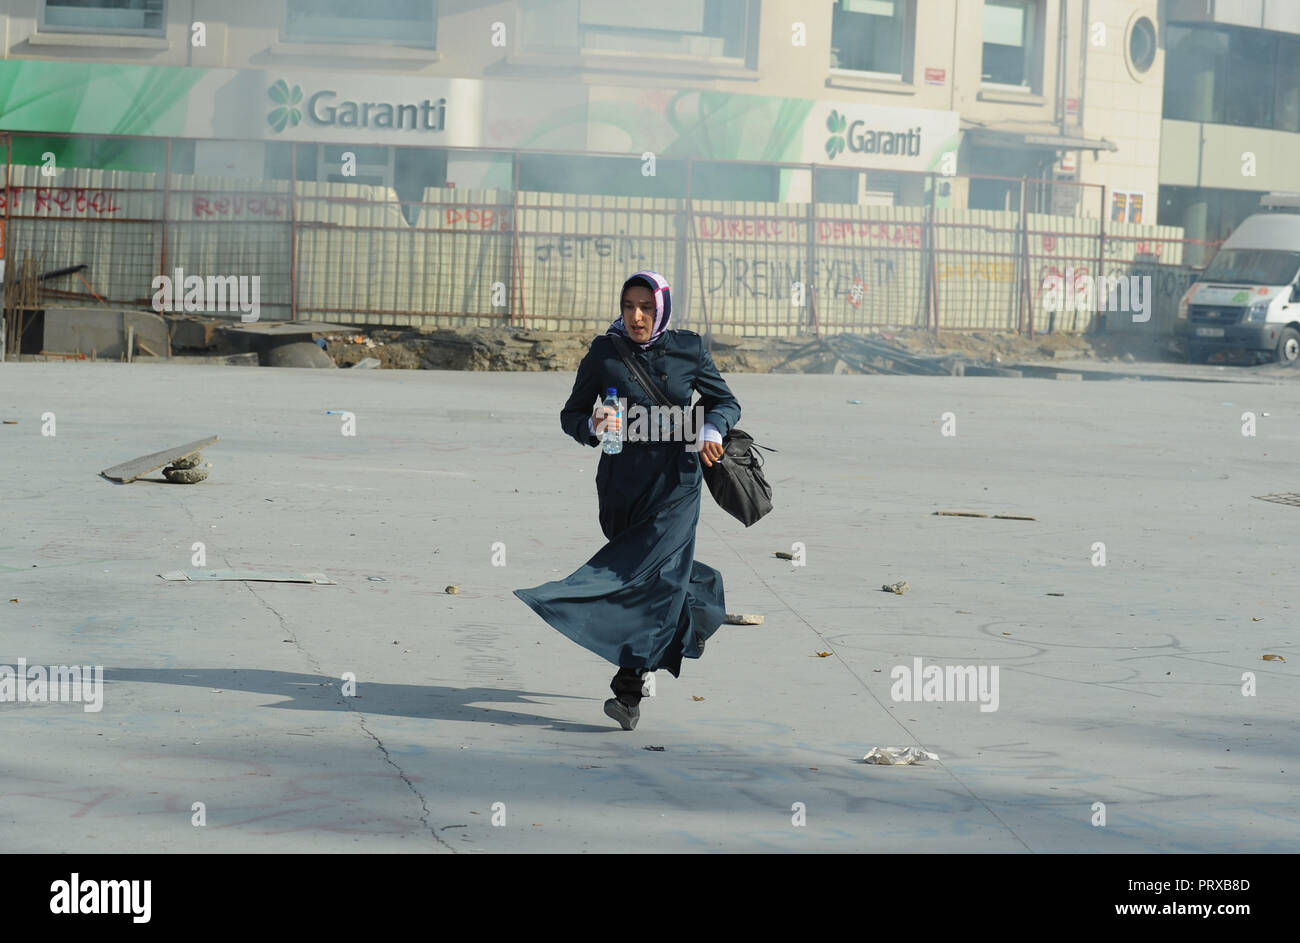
[{"x": 356, "y": 254}]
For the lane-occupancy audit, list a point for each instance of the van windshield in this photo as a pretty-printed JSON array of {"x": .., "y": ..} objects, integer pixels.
[{"x": 1253, "y": 267}]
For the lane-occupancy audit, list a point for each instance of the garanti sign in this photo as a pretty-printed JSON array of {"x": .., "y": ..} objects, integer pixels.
[
  {"x": 326, "y": 108},
  {"x": 878, "y": 136},
  {"x": 370, "y": 109}
]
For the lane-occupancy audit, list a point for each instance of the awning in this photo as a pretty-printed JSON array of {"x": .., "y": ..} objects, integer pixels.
[{"x": 1056, "y": 142}]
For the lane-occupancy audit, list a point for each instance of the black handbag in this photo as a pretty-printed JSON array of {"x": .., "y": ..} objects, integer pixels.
[{"x": 736, "y": 480}]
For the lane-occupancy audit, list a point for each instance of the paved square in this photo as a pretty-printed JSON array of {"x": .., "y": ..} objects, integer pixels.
[{"x": 1119, "y": 684}]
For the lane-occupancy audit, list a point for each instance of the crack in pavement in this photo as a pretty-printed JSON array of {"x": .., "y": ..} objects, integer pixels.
[{"x": 360, "y": 718}]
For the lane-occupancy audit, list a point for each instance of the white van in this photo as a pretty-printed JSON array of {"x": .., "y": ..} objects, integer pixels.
[{"x": 1249, "y": 296}]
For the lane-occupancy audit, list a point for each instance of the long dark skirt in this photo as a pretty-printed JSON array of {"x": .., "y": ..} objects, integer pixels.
[{"x": 642, "y": 601}]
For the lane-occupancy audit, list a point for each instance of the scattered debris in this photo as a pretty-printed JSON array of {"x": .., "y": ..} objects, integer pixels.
[
  {"x": 898, "y": 756},
  {"x": 824, "y": 654},
  {"x": 655, "y": 749},
  {"x": 376, "y": 579},
  {"x": 694, "y": 698},
  {"x": 453, "y": 589},
  {"x": 1013, "y": 517},
  {"x": 366, "y": 363},
  {"x": 10, "y": 422},
  {"x": 959, "y": 514},
  {"x": 1056, "y": 594},
  {"x": 743, "y": 618},
  {"x": 1266, "y": 657},
  {"x": 783, "y": 555},
  {"x": 252, "y": 576},
  {"x": 174, "y": 458},
  {"x": 854, "y": 402},
  {"x": 897, "y": 588}
]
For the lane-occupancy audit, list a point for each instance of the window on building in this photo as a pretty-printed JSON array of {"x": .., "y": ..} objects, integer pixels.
[
  {"x": 1205, "y": 214},
  {"x": 280, "y": 157},
  {"x": 870, "y": 36},
  {"x": 1286, "y": 109},
  {"x": 407, "y": 22},
  {"x": 611, "y": 176},
  {"x": 1242, "y": 77},
  {"x": 710, "y": 29},
  {"x": 837, "y": 184},
  {"x": 1142, "y": 44},
  {"x": 721, "y": 180},
  {"x": 106, "y": 16},
  {"x": 1248, "y": 101},
  {"x": 373, "y": 165},
  {"x": 1194, "y": 60},
  {"x": 1009, "y": 42},
  {"x": 146, "y": 155}
]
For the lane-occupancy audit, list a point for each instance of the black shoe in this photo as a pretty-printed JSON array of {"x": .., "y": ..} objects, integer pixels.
[{"x": 625, "y": 715}]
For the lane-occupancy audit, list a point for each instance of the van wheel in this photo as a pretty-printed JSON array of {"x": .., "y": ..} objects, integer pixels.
[{"x": 1288, "y": 346}]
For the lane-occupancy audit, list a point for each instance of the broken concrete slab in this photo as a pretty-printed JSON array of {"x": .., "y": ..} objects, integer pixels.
[{"x": 136, "y": 467}]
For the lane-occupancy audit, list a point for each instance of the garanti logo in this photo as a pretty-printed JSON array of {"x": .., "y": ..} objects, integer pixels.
[
  {"x": 287, "y": 113},
  {"x": 860, "y": 139},
  {"x": 835, "y": 124}
]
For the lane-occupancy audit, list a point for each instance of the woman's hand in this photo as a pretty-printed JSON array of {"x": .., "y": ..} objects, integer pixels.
[
  {"x": 710, "y": 452},
  {"x": 609, "y": 417}
]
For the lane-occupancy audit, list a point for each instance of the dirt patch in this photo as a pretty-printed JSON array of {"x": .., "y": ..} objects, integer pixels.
[{"x": 520, "y": 349}]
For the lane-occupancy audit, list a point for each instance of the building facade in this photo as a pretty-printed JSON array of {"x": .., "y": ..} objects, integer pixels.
[
  {"x": 747, "y": 108},
  {"x": 1009, "y": 88}
]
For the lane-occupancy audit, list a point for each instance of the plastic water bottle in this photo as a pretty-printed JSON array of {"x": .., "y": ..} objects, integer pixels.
[{"x": 613, "y": 438}]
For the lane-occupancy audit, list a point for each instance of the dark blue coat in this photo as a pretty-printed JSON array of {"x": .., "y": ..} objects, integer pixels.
[{"x": 643, "y": 601}]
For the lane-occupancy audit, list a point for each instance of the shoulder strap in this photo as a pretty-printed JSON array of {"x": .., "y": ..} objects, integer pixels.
[{"x": 638, "y": 373}]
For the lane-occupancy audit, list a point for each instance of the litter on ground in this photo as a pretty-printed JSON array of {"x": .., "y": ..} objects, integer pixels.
[{"x": 898, "y": 756}]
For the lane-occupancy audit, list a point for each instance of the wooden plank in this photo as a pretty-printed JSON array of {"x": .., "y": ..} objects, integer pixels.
[{"x": 130, "y": 471}]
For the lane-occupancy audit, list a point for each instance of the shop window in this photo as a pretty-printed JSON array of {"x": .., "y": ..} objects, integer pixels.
[
  {"x": 406, "y": 22},
  {"x": 1010, "y": 42},
  {"x": 610, "y": 176},
  {"x": 374, "y": 165},
  {"x": 105, "y": 16},
  {"x": 870, "y": 36}
]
